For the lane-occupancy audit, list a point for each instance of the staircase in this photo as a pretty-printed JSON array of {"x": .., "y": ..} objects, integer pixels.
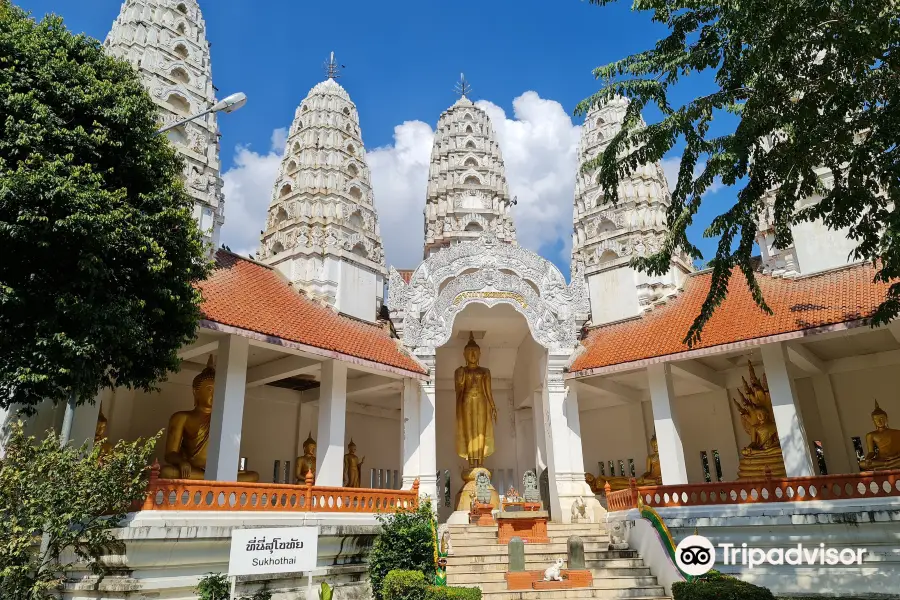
[{"x": 479, "y": 561}]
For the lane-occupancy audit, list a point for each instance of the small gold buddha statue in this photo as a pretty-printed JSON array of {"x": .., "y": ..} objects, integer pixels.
[
  {"x": 882, "y": 445},
  {"x": 476, "y": 414},
  {"x": 187, "y": 436},
  {"x": 307, "y": 462},
  {"x": 764, "y": 450},
  {"x": 652, "y": 476},
  {"x": 352, "y": 467},
  {"x": 100, "y": 439}
]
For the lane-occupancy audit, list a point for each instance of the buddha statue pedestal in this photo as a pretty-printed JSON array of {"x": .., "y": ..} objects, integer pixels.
[{"x": 754, "y": 465}]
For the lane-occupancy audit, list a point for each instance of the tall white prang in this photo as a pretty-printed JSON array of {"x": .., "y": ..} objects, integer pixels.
[
  {"x": 467, "y": 190},
  {"x": 322, "y": 229},
  {"x": 165, "y": 40},
  {"x": 607, "y": 236}
]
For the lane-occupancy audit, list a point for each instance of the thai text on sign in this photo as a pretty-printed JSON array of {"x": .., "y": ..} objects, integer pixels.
[{"x": 274, "y": 550}]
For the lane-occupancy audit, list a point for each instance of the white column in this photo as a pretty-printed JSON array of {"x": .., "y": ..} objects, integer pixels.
[
  {"x": 227, "y": 417},
  {"x": 786, "y": 407},
  {"x": 563, "y": 435},
  {"x": 6, "y": 418},
  {"x": 428, "y": 441},
  {"x": 540, "y": 440},
  {"x": 332, "y": 424},
  {"x": 668, "y": 432},
  {"x": 119, "y": 417},
  {"x": 84, "y": 422},
  {"x": 409, "y": 424},
  {"x": 838, "y": 447}
]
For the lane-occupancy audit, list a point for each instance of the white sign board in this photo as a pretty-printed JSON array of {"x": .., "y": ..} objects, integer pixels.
[{"x": 277, "y": 550}]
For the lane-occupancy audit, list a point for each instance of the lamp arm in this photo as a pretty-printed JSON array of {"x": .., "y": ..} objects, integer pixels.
[{"x": 183, "y": 121}]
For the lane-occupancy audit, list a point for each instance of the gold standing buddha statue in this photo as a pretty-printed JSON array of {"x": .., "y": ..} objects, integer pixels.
[
  {"x": 307, "y": 462},
  {"x": 882, "y": 445},
  {"x": 187, "y": 436},
  {"x": 476, "y": 414},
  {"x": 758, "y": 420},
  {"x": 352, "y": 467},
  {"x": 100, "y": 439}
]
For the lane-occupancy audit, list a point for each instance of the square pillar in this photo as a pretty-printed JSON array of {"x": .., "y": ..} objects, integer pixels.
[
  {"x": 332, "y": 424},
  {"x": 562, "y": 431},
  {"x": 409, "y": 424},
  {"x": 540, "y": 440},
  {"x": 84, "y": 422},
  {"x": 427, "y": 442},
  {"x": 227, "y": 419},
  {"x": 668, "y": 432},
  {"x": 786, "y": 407}
]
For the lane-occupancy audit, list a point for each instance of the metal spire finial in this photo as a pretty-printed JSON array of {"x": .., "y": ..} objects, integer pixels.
[
  {"x": 332, "y": 69},
  {"x": 463, "y": 88}
]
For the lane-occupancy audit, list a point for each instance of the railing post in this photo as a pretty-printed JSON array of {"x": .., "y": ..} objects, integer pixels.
[
  {"x": 309, "y": 486},
  {"x": 151, "y": 485},
  {"x": 415, "y": 491},
  {"x": 632, "y": 484}
]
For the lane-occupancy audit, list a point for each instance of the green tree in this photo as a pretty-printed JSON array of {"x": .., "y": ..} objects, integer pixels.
[
  {"x": 406, "y": 542},
  {"x": 71, "y": 497},
  {"x": 100, "y": 251},
  {"x": 813, "y": 84}
]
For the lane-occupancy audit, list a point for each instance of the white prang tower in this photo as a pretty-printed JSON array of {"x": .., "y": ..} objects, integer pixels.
[
  {"x": 322, "y": 230},
  {"x": 606, "y": 237},
  {"x": 165, "y": 40},
  {"x": 467, "y": 189}
]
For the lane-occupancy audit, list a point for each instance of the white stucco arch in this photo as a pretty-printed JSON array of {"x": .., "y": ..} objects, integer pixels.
[{"x": 489, "y": 272}]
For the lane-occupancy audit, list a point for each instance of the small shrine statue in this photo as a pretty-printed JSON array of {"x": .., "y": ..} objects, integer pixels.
[
  {"x": 882, "y": 445},
  {"x": 100, "y": 438},
  {"x": 352, "y": 467},
  {"x": 758, "y": 420},
  {"x": 307, "y": 462},
  {"x": 530, "y": 486},
  {"x": 187, "y": 436}
]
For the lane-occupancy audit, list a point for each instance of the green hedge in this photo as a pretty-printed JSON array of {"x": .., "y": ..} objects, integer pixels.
[
  {"x": 403, "y": 585},
  {"x": 716, "y": 586},
  {"x": 452, "y": 593}
]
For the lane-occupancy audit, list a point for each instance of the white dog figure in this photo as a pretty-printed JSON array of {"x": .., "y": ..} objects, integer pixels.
[{"x": 553, "y": 573}]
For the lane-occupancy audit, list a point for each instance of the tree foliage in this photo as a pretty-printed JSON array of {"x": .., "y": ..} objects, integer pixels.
[
  {"x": 100, "y": 251},
  {"x": 72, "y": 498},
  {"x": 814, "y": 84},
  {"x": 406, "y": 542}
]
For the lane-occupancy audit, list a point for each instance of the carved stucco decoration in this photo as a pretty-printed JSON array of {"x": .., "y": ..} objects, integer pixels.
[{"x": 489, "y": 272}]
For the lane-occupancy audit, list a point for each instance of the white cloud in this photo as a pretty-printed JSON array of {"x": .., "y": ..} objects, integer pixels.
[
  {"x": 399, "y": 180},
  {"x": 672, "y": 165},
  {"x": 248, "y": 190}
]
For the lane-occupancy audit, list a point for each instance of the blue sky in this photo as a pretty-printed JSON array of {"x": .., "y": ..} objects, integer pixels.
[{"x": 402, "y": 60}]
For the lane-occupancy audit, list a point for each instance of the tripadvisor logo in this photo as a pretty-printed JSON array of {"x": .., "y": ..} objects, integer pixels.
[{"x": 696, "y": 555}]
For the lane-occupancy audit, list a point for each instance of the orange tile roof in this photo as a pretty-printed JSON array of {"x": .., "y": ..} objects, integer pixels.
[
  {"x": 829, "y": 298},
  {"x": 247, "y": 295}
]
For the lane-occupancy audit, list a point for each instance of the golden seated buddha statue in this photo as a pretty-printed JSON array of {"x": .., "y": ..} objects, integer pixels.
[
  {"x": 187, "y": 436},
  {"x": 764, "y": 450},
  {"x": 100, "y": 439},
  {"x": 307, "y": 462},
  {"x": 882, "y": 445},
  {"x": 652, "y": 476}
]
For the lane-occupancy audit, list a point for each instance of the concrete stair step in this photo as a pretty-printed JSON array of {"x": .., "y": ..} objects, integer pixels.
[
  {"x": 608, "y": 566},
  {"x": 491, "y": 581},
  {"x": 641, "y": 593},
  {"x": 462, "y": 559},
  {"x": 556, "y": 548}
]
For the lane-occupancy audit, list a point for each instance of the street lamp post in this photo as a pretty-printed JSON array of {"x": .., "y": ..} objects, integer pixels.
[{"x": 228, "y": 105}]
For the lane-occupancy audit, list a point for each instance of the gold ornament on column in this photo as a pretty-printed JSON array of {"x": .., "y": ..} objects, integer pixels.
[
  {"x": 758, "y": 420},
  {"x": 476, "y": 415},
  {"x": 352, "y": 467},
  {"x": 882, "y": 445},
  {"x": 187, "y": 436}
]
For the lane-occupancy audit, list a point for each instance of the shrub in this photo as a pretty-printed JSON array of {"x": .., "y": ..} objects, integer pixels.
[
  {"x": 404, "y": 585},
  {"x": 406, "y": 542},
  {"x": 452, "y": 593},
  {"x": 719, "y": 587},
  {"x": 214, "y": 586}
]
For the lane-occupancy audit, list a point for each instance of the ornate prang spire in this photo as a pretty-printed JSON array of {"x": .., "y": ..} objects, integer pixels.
[
  {"x": 322, "y": 222},
  {"x": 463, "y": 89},
  {"x": 467, "y": 190},
  {"x": 165, "y": 41},
  {"x": 332, "y": 69}
]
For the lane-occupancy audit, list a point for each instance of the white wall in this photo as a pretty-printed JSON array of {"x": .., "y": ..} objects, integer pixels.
[
  {"x": 613, "y": 295},
  {"x": 706, "y": 425},
  {"x": 818, "y": 248},
  {"x": 613, "y": 433},
  {"x": 356, "y": 292}
]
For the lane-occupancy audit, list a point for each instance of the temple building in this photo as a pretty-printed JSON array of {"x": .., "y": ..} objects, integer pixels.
[{"x": 484, "y": 374}]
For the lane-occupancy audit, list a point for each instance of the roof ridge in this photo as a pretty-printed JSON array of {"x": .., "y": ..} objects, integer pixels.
[{"x": 246, "y": 258}]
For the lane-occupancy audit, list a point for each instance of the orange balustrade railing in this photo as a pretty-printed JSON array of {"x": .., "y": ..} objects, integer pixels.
[
  {"x": 878, "y": 484},
  {"x": 191, "y": 495}
]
